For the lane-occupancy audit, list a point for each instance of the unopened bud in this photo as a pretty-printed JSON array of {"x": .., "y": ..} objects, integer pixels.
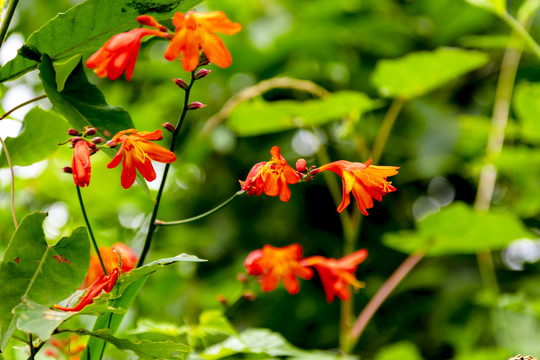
[
  {"x": 93, "y": 151},
  {"x": 67, "y": 170},
  {"x": 75, "y": 139},
  {"x": 73, "y": 132},
  {"x": 110, "y": 144},
  {"x": 222, "y": 299},
  {"x": 203, "y": 60},
  {"x": 202, "y": 73},
  {"x": 241, "y": 277},
  {"x": 150, "y": 21},
  {"x": 168, "y": 126},
  {"x": 301, "y": 165},
  {"x": 90, "y": 131},
  {"x": 180, "y": 83},
  {"x": 98, "y": 140},
  {"x": 313, "y": 172},
  {"x": 249, "y": 295},
  {"x": 195, "y": 105}
]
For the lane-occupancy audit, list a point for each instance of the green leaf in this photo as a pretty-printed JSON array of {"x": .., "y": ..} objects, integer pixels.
[
  {"x": 39, "y": 138},
  {"x": 496, "y": 6},
  {"x": 64, "y": 68},
  {"x": 85, "y": 28},
  {"x": 144, "y": 349},
  {"x": 458, "y": 229},
  {"x": 30, "y": 269},
  {"x": 259, "y": 117},
  {"x": 212, "y": 325},
  {"x": 527, "y": 108},
  {"x": 417, "y": 74},
  {"x": 82, "y": 104},
  {"x": 399, "y": 351}
]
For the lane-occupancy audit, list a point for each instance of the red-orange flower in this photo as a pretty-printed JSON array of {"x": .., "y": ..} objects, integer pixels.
[
  {"x": 272, "y": 177},
  {"x": 273, "y": 264},
  {"x": 103, "y": 283},
  {"x": 366, "y": 181},
  {"x": 137, "y": 152},
  {"x": 195, "y": 31},
  {"x": 337, "y": 274},
  {"x": 80, "y": 165},
  {"x": 118, "y": 256},
  {"x": 70, "y": 347},
  {"x": 119, "y": 53}
]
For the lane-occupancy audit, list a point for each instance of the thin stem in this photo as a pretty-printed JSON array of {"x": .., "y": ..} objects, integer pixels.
[
  {"x": 21, "y": 105},
  {"x": 386, "y": 127},
  {"x": 209, "y": 212},
  {"x": 12, "y": 175},
  {"x": 381, "y": 295},
  {"x": 32, "y": 350},
  {"x": 520, "y": 30},
  {"x": 7, "y": 20},
  {"x": 90, "y": 229},
  {"x": 152, "y": 226}
]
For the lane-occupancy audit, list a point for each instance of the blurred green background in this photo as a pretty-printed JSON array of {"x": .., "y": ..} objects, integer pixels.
[{"x": 441, "y": 310}]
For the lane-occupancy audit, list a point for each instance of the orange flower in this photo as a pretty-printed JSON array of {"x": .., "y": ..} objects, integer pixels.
[
  {"x": 137, "y": 152},
  {"x": 272, "y": 177},
  {"x": 80, "y": 165},
  {"x": 119, "y": 53},
  {"x": 103, "y": 283},
  {"x": 366, "y": 181},
  {"x": 195, "y": 31},
  {"x": 273, "y": 264},
  {"x": 70, "y": 347},
  {"x": 119, "y": 256},
  {"x": 337, "y": 274}
]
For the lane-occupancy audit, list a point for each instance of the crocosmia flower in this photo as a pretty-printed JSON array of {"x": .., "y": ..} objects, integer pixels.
[
  {"x": 103, "y": 283},
  {"x": 119, "y": 53},
  {"x": 80, "y": 165},
  {"x": 119, "y": 256},
  {"x": 272, "y": 177},
  {"x": 137, "y": 151},
  {"x": 366, "y": 181},
  {"x": 275, "y": 264},
  {"x": 195, "y": 31},
  {"x": 337, "y": 274}
]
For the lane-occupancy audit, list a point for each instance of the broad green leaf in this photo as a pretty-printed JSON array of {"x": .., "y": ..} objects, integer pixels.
[
  {"x": 259, "y": 117},
  {"x": 30, "y": 269},
  {"x": 144, "y": 349},
  {"x": 212, "y": 325},
  {"x": 85, "y": 28},
  {"x": 64, "y": 68},
  {"x": 417, "y": 74},
  {"x": 527, "y": 9},
  {"x": 496, "y": 6},
  {"x": 457, "y": 229},
  {"x": 527, "y": 108},
  {"x": 399, "y": 351},
  {"x": 82, "y": 104},
  {"x": 42, "y": 132}
]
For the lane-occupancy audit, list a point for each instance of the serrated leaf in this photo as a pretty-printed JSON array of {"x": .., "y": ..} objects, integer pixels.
[
  {"x": 259, "y": 117},
  {"x": 458, "y": 229},
  {"x": 31, "y": 268},
  {"x": 527, "y": 108},
  {"x": 39, "y": 138},
  {"x": 64, "y": 68},
  {"x": 417, "y": 74},
  {"x": 85, "y": 28},
  {"x": 496, "y": 6}
]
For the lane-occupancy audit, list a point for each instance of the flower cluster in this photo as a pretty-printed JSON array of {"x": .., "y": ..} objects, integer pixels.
[{"x": 271, "y": 264}]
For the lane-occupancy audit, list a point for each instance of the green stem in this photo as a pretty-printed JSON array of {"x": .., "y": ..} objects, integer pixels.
[
  {"x": 152, "y": 226},
  {"x": 7, "y": 113},
  {"x": 520, "y": 30},
  {"x": 209, "y": 212},
  {"x": 386, "y": 127},
  {"x": 7, "y": 20},
  {"x": 90, "y": 229},
  {"x": 12, "y": 175}
]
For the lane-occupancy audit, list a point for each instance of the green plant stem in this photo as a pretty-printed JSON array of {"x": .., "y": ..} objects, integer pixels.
[
  {"x": 7, "y": 20},
  {"x": 521, "y": 31},
  {"x": 90, "y": 229},
  {"x": 209, "y": 212},
  {"x": 152, "y": 226},
  {"x": 7, "y": 113},
  {"x": 12, "y": 176},
  {"x": 386, "y": 128}
]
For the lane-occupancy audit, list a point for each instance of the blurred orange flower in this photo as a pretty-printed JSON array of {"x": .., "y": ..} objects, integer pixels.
[
  {"x": 337, "y": 274},
  {"x": 119, "y": 53},
  {"x": 118, "y": 256},
  {"x": 80, "y": 165},
  {"x": 195, "y": 31},
  {"x": 70, "y": 347},
  {"x": 273, "y": 264},
  {"x": 366, "y": 181},
  {"x": 137, "y": 152},
  {"x": 272, "y": 177}
]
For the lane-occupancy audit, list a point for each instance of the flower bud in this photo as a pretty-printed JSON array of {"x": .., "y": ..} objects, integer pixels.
[
  {"x": 180, "y": 83},
  {"x": 97, "y": 140},
  {"x": 93, "y": 151},
  {"x": 75, "y": 139},
  {"x": 150, "y": 21},
  {"x": 301, "y": 165},
  {"x": 241, "y": 277},
  {"x": 202, "y": 73},
  {"x": 221, "y": 299},
  {"x": 203, "y": 60},
  {"x": 249, "y": 295},
  {"x": 195, "y": 105},
  {"x": 67, "y": 170},
  {"x": 90, "y": 131},
  {"x": 73, "y": 132},
  {"x": 168, "y": 126},
  {"x": 111, "y": 144},
  {"x": 313, "y": 172}
]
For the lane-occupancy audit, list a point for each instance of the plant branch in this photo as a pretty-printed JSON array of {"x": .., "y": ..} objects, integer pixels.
[
  {"x": 7, "y": 20},
  {"x": 22, "y": 104},
  {"x": 386, "y": 128},
  {"x": 209, "y": 212},
  {"x": 520, "y": 30},
  {"x": 12, "y": 175},
  {"x": 81, "y": 203},
  {"x": 152, "y": 226}
]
